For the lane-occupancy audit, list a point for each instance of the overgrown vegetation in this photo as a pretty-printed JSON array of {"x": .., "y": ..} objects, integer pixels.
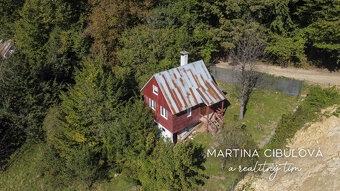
[
  {"x": 308, "y": 111},
  {"x": 72, "y": 83}
]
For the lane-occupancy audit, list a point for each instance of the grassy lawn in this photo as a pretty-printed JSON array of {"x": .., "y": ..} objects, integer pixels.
[
  {"x": 24, "y": 173},
  {"x": 264, "y": 110}
]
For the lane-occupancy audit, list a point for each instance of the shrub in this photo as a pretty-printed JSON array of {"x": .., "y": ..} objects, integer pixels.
[
  {"x": 317, "y": 99},
  {"x": 320, "y": 98},
  {"x": 241, "y": 139},
  {"x": 83, "y": 165},
  {"x": 173, "y": 167},
  {"x": 53, "y": 168}
]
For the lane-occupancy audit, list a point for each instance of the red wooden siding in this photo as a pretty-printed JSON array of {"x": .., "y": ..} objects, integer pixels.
[
  {"x": 160, "y": 101},
  {"x": 177, "y": 122},
  {"x": 182, "y": 121}
]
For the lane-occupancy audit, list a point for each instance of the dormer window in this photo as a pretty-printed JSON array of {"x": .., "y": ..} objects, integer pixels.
[{"x": 155, "y": 89}]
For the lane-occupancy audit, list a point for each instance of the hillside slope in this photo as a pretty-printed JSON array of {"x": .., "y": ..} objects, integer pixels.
[{"x": 321, "y": 173}]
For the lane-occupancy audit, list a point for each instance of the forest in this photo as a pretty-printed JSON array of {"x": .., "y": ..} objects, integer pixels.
[{"x": 73, "y": 82}]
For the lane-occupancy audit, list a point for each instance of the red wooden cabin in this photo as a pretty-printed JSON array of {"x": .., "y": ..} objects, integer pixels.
[{"x": 179, "y": 97}]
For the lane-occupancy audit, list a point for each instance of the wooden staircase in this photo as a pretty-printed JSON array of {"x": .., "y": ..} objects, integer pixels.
[{"x": 214, "y": 121}]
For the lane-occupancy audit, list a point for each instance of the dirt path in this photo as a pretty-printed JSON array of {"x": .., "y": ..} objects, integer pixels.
[
  {"x": 317, "y": 173},
  {"x": 321, "y": 77}
]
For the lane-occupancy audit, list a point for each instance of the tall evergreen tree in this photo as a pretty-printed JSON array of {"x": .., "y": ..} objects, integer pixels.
[
  {"x": 9, "y": 13},
  {"x": 25, "y": 96},
  {"x": 97, "y": 113},
  {"x": 319, "y": 20},
  {"x": 48, "y": 45},
  {"x": 88, "y": 107},
  {"x": 131, "y": 138}
]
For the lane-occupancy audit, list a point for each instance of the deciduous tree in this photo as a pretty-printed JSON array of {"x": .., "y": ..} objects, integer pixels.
[
  {"x": 249, "y": 47},
  {"x": 109, "y": 19}
]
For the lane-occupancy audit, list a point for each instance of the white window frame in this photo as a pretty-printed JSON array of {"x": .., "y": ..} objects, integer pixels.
[
  {"x": 189, "y": 112},
  {"x": 155, "y": 89},
  {"x": 164, "y": 112},
  {"x": 152, "y": 104}
]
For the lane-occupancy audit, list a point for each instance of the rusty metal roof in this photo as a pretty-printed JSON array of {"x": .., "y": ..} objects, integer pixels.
[
  {"x": 5, "y": 48},
  {"x": 187, "y": 86}
]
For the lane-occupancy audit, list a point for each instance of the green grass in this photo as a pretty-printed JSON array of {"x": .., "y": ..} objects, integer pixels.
[
  {"x": 119, "y": 183},
  {"x": 23, "y": 174},
  {"x": 308, "y": 111},
  {"x": 264, "y": 110},
  {"x": 217, "y": 180}
]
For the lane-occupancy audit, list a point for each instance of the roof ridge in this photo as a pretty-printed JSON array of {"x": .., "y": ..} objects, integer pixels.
[{"x": 195, "y": 62}]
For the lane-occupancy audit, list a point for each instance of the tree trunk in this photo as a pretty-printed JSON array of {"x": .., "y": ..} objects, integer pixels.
[
  {"x": 241, "y": 111},
  {"x": 242, "y": 101}
]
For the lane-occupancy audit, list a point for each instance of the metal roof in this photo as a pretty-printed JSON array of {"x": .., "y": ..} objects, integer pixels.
[
  {"x": 187, "y": 86},
  {"x": 5, "y": 48}
]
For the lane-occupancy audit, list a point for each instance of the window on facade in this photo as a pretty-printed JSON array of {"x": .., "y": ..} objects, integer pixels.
[
  {"x": 164, "y": 112},
  {"x": 189, "y": 112},
  {"x": 152, "y": 104},
  {"x": 155, "y": 89}
]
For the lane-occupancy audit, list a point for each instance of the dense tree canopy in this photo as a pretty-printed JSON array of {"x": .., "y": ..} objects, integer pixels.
[
  {"x": 9, "y": 13},
  {"x": 107, "y": 21},
  {"x": 73, "y": 80}
]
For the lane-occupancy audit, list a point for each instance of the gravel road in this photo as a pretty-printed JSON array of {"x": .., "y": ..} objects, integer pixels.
[{"x": 316, "y": 76}]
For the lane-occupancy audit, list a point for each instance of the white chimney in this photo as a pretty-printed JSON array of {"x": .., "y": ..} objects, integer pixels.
[{"x": 184, "y": 58}]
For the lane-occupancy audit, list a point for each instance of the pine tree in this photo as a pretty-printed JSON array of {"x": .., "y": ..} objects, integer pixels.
[
  {"x": 25, "y": 95},
  {"x": 173, "y": 167},
  {"x": 319, "y": 20},
  {"x": 97, "y": 113},
  {"x": 131, "y": 138},
  {"x": 89, "y": 107},
  {"x": 9, "y": 13}
]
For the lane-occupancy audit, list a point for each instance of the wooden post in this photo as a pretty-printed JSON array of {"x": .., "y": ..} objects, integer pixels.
[
  {"x": 207, "y": 116},
  {"x": 222, "y": 116}
]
